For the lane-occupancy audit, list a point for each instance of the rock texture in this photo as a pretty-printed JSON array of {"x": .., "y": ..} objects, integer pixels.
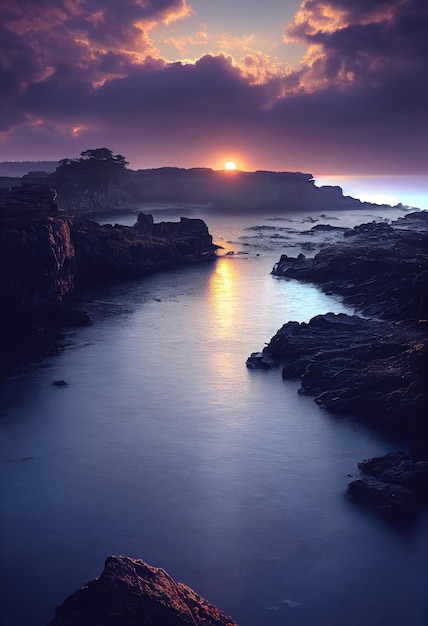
[
  {"x": 105, "y": 252},
  {"x": 376, "y": 368},
  {"x": 392, "y": 483},
  {"x": 45, "y": 255},
  {"x": 131, "y": 593},
  {"x": 380, "y": 269},
  {"x": 365, "y": 368}
]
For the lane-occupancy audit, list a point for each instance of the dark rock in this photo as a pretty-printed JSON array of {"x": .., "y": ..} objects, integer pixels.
[
  {"x": 400, "y": 469},
  {"x": 104, "y": 253},
  {"x": 372, "y": 369},
  {"x": 131, "y": 593},
  {"x": 381, "y": 269},
  {"x": 59, "y": 383},
  {"x": 383, "y": 496},
  {"x": 257, "y": 361},
  {"x": 144, "y": 222},
  {"x": 46, "y": 255},
  {"x": 354, "y": 366},
  {"x": 394, "y": 482},
  {"x": 82, "y": 193}
]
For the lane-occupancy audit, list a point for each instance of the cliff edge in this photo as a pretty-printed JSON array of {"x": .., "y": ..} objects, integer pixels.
[{"x": 46, "y": 255}]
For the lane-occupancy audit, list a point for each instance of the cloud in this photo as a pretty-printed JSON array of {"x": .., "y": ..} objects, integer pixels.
[{"x": 74, "y": 72}]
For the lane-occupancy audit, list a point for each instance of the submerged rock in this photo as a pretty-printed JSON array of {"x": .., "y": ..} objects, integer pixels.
[{"x": 130, "y": 592}]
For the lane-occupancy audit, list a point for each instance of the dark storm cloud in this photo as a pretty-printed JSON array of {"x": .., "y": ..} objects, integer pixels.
[
  {"x": 367, "y": 38},
  {"x": 211, "y": 88},
  {"x": 89, "y": 65},
  {"x": 372, "y": 58}
]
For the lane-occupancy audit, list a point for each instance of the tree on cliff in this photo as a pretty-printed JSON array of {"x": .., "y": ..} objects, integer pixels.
[{"x": 95, "y": 163}]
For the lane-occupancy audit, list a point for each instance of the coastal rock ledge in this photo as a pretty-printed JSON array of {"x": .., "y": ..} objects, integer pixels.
[
  {"x": 46, "y": 256},
  {"x": 372, "y": 366},
  {"x": 130, "y": 592}
]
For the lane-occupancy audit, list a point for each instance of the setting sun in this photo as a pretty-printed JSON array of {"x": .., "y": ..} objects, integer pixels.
[{"x": 230, "y": 165}]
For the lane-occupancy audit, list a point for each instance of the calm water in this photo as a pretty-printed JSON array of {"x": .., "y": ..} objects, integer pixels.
[{"x": 163, "y": 446}]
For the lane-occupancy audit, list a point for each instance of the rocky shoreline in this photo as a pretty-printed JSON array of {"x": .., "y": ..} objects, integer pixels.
[
  {"x": 47, "y": 255},
  {"x": 374, "y": 368}
]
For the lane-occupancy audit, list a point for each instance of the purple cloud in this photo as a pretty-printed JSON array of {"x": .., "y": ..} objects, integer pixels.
[{"x": 81, "y": 72}]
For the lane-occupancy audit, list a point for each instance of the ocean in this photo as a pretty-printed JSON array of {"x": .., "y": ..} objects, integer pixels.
[{"x": 164, "y": 446}]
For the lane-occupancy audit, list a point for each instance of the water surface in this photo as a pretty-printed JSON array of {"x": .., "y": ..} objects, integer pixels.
[{"x": 163, "y": 446}]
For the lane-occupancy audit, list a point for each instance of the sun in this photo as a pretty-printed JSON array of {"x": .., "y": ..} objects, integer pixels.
[{"x": 230, "y": 165}]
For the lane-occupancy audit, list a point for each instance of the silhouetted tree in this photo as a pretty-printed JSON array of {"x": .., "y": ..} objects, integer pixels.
[{"x": 95, "y": 164}]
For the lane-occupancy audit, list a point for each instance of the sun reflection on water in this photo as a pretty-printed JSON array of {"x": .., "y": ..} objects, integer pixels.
[{"x": 223, "y": 298}]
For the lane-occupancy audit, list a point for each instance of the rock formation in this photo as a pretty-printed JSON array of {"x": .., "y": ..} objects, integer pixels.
[
  {"x": 131, "y": 593},
  {"x": 392, "y": 483},
  {"x": 46, "y": 255},
  {"x": 221, "y": 191},
  {"x": 373, "y": 369},
  {"x": 380, "y": 269}
]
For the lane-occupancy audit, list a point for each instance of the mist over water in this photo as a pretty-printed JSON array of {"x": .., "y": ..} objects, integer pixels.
[
  {"x": 408, "y": 190},
  {"x": 163, "y": 446}
]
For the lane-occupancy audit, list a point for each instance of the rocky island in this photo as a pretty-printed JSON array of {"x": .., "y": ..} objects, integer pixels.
[
  {"x": 371, "y": 366},
  {"x": 48, "y": 254}
]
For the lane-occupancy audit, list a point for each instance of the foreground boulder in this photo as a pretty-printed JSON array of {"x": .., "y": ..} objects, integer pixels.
[{"x": 131, "y": 593}]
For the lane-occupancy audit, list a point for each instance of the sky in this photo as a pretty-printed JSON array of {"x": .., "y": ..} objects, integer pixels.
[{"x": 330, "y": 87}]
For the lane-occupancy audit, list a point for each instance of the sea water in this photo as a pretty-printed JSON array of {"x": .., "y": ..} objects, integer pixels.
[{"x": 164, "y": 446}]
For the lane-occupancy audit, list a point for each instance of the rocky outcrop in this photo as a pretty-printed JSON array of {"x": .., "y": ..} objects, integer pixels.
[
  {"x": 131, "y": 593},
  {"x": 370, "y": 369},
  {"x": 106, "y": 252},
  {"x": 380, "y": 269},
  {"x": 376, "y": 368},
  {"x": 221, "y": 191},
  {"x": 46, "y": 255},
  {"x": 237, "y": 191},
  {"x": 394, "y": 483},
  {"x": 38, "y": 264}
]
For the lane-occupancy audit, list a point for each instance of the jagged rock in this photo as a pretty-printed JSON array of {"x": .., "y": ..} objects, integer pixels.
[
  {"x": 394, "y": 482},
  {"x": 257, "y": 361},
  {"x": 380, "y": 269},
  {"x": 104, "y": 253},
  {"x": 45, "y": 255},
  {"x": 130, "y": 592},
  {"x": 372, "y": 369}
]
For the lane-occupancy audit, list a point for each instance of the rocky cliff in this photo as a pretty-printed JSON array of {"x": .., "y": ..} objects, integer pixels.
[
  {"x": 220, "y": 191},
  {"x": 131, "y": 593},
  {"x": 236, "y": 191},
  {"x": 46, "y": 255}
]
